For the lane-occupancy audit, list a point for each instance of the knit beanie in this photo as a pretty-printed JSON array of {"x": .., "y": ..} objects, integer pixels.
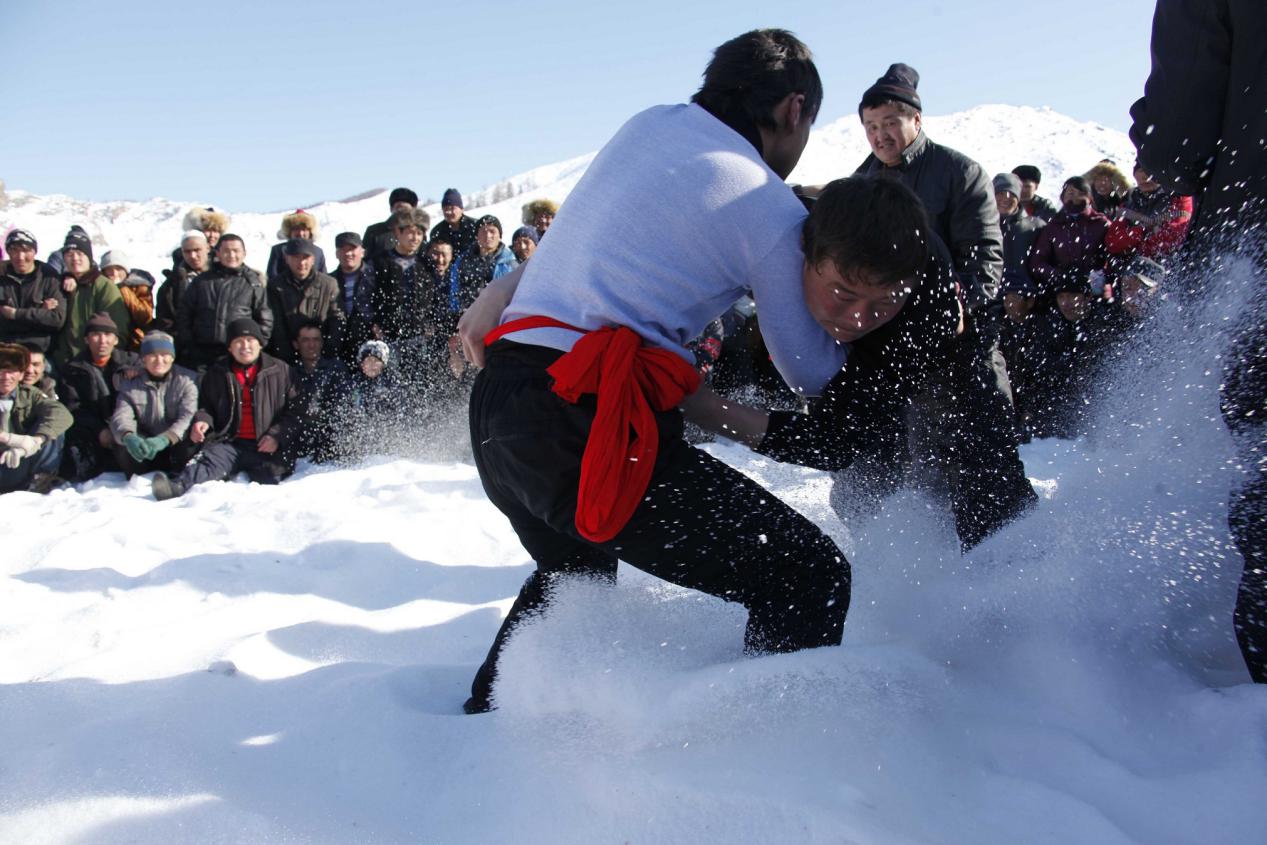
[
  {"x": 489, "y": 220},
  {"x": 20, "y": 236},
  {"x": 243, "y": 327},
  {"x": 156, "y": 341},
  {"x": 452, "y": 197},
  {"x": 1009, "y": 182},
  {"x": 115, "y": 258},
  {"x": 898, "y": 83},
  {"x": 78, "y": 239},
  {"x": 101, "y": 322},
  {"x": 377, "y": 348},
  {"x": 529, "y": 232}
]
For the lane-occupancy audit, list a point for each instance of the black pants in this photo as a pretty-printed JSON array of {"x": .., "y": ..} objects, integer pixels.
[
  {"x": 221, "y": 460},
  {"x": 701, "y": 524},
  {"x": 170, "y": 460}
]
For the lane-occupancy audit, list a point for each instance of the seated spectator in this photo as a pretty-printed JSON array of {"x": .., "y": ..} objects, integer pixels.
[
  {"x": 378, "y": 238},
  {"x": 245, "y": 419},
  {"x": 372, "y": 403},
  {"x": 31, "y": 427},
  {"x": 228, "y": 291},
  {"x": 1153, "y": 222},
  {"x": 195, "y": 259},
  {"x": 298, "y": 224},
  {"x": 136, "y": 287},
  {"x": 406, "y": 299},
  {"x": 1109, "y": 187},
  {"x": 489, "y": 259},
  {"x": 318, "y": 380},
  {"x": 539, "y": 214},
  {"x": 357, "y": 291},
  {"x": 36, "y": 375},
  {"x": 153, "y": 411},
  {"x": 456, "y": 227},
  {"x": 1066, "y": 260},
  {"x": 90, "y": 385},
  {"x": 87, "y": 293},
  {"x": 1031, "y": 203},
  {"x": 27, "y": 290},
  {"x": 298, "y": 293},
  {"x": 524, "y": 243}
]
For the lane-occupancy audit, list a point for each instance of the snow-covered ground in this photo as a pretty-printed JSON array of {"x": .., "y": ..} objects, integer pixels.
[
  {"x": 287, "y": 664},
  {"x": 999, "y": 137}
]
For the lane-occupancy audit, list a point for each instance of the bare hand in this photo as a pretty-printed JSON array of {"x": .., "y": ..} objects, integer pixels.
[
  {"x": 69, "y": 284},
  {"x": 198, "y": 432},
  {"x": 376, "y": 332},
  {"x": 104, "y": 439},
  {"x": 8, "y": 312},
  {"x": 50, "y": 304},
  {"x": 267, "y": 444}
]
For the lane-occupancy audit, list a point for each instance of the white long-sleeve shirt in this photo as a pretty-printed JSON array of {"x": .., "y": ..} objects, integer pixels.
[{"x": 676, "y": 218}]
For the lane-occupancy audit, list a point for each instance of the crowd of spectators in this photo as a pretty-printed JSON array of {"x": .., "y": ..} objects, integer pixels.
[{"x": 222, "y": 368}]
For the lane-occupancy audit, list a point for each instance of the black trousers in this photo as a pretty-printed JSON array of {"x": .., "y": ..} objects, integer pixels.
[
  {"x": 220, "y": 460},
  {"x": 701, "y": 524}
]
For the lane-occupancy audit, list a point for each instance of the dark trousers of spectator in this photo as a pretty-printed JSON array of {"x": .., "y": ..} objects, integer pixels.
[
  {"x": 221, "y": 460},
  {"x": 46, "y": 460},
  {"x": 171, "y": 460},
  {"x": 1244, "y": 403},
  {"x": 961, "y": 446},
  {"x": 701, "y": 524},
  {"x": 85, "y": 458}
]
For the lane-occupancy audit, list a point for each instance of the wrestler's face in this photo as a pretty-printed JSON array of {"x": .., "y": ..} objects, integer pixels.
[{"x": 849, "y": 307}]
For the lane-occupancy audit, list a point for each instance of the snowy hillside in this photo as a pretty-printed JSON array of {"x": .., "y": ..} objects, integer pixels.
[{"x": 999, "y": 137}]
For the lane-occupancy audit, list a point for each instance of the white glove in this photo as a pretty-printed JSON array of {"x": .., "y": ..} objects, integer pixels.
[{"x": 20, "y": 446}]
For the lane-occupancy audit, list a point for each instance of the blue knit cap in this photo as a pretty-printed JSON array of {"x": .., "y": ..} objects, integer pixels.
[{"x": 156, "y": 341}]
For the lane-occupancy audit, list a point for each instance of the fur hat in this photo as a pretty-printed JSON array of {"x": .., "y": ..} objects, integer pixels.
[
  {"x": 898, "y": 83},
  {"x": 207, "y": 217},
  {"x": 1121, "y": 184},
  {"x": 377, "y": 348},
  {"x": 402, "y": 195},
  {"x": 532, "y": 209},
  {"x": 299, "y": 219},
  {"x": 14, "y": 356}
]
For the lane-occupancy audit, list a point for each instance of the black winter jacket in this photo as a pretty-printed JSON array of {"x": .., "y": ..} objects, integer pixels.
[
  {"x": 1020, "y": 231},
  {"x": 219, "y": 297},
  {"x": 959, "y": 199},
  {"x": 34, "y": 325},
  {"x": 461, "y": 236},
  {"x": 405, "y": 312},
  {"x": 167, "y": 297},
  {"x": 89, "y": 392},
  {"x": 294, "y": 302}
]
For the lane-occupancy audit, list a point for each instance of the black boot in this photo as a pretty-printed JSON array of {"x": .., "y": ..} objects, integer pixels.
[{"x": 165, "y": 488}]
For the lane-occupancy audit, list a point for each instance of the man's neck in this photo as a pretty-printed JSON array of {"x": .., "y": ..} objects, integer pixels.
[
  {"x": 353, "y": 271},
  {"x": 310, "y": 366}
]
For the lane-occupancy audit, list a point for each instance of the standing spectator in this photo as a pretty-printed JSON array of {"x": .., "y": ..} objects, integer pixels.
[
  {"x": 153, "y": 411},
  {"x": 379, "y": 238},
  {"x": 974, "y": 456},
  {"x": 1109, "y": 187},
  {"x": 27, "y": 286},
  {"x": 298, "y": 224},
  {"x": 1153, "y": 221},
  {"x": 37, "y": 376},
  {"x": 56, "y": 260},
  {"x": 299, "y": 292},
  {"x": 1068, "y": 256},
  {"x": 1017, "y": 338},
  {"x": 357, "y": 292},
  {"x": 407, "y": 302},
  {"x": 488, "y": 259},
  {"x": 211, "y": 221},
  {"x": 524, "y": 243},
  {"x": 456, "y": 227},
  {"x": 539, "y": 214},
  {"x": 1031, "y": 203},
  {"x": 317, "y": 380},
  {"x": 90, "y": 384},
  {"x": 245, "y": 417},
  {"x": 31, "y": 427},
  {"x": 227, "y": 292},
  {"x": 87, "y": 293},
  {"x": 195, "y": 258},
  {"x": 1199, "y": 129},
  {"x": 136, "y": 287}
]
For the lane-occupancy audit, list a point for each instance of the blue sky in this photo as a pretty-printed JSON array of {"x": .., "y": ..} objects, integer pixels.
[{"x": 259, "y": 106}]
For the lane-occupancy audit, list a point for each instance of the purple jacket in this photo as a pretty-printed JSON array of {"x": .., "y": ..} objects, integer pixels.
[{"x": 1068, "y": 249}]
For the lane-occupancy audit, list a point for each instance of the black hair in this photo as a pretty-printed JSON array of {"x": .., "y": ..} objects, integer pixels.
[
  {"x": 229, "y": 236},
  {"x": 489, "y": 220},
  {"x": 1079, "y": 182},
  {"x": 874, "y": 226},
  {"x": 1028, "y": 173},
  {"x": 751, "y": 74},
  {"x": 309, "y": 323}
]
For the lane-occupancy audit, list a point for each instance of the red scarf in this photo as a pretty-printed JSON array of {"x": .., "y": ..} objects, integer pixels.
[
  {"x": 246, "y": 378},
  {"x": 630, "y": 380}
]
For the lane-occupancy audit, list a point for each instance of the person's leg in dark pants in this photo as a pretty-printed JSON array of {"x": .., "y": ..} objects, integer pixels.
[{"x": 700, "y": 524}]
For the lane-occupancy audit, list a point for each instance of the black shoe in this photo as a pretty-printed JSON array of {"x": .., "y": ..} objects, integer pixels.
[
  {"x": 165, "y": 488},
  {"x": 45, "y": 482},
  {"x": 474, "y": 706}
]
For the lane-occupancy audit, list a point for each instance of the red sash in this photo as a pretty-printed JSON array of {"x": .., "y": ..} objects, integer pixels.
[{"x": 630, "y": 380}]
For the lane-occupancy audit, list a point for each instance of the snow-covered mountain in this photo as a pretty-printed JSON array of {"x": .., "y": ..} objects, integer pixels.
[{"x": 998, "y": 136}]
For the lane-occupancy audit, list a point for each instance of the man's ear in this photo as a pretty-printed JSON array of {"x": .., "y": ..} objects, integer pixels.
[{"x": 795, "y": 110}]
